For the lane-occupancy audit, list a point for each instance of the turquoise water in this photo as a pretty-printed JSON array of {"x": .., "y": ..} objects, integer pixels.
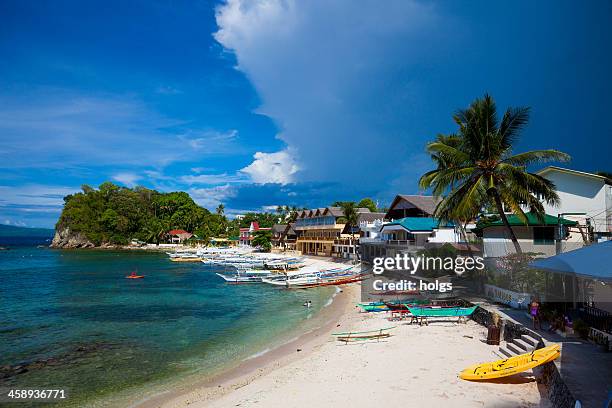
[{"x": 74, "y": 322}]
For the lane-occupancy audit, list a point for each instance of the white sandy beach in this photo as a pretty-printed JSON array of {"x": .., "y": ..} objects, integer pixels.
[{"x": 417, "y": 366}]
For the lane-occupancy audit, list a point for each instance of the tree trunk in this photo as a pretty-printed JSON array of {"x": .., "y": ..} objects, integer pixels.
[
  {"x": 462, "y": 229},
  {"x": 500, "y": 210}
]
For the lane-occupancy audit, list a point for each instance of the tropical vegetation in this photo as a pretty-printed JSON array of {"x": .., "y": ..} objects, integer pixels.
[
  {"x": 477, "y": 168},
  {"x": 262, "y": 239},
  {"x": 112, "y": 214}
]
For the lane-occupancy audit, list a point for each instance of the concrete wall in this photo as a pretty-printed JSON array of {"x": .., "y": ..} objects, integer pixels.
[
  {"x": 445, "y": 235},
  {"x": 497, "y": 242},
  {"x": 582, "y": 194}
]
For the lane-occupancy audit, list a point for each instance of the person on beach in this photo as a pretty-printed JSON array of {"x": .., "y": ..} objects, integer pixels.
[{"x": 534, "y": 310}]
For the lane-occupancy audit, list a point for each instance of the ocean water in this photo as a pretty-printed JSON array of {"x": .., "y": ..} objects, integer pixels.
[{"x": 72, "y": 321}]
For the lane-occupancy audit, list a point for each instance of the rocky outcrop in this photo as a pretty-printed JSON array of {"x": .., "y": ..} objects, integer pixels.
[{"x": 64, "y": 238}]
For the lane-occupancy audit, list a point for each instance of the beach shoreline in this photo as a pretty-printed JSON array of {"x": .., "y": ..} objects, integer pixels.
[
  {"x": 416, "y": 366},
  {"x": 302, "y": 345}
]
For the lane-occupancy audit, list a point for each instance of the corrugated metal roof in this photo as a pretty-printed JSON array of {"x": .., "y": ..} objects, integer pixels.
[{"x": 419, "y": 223}]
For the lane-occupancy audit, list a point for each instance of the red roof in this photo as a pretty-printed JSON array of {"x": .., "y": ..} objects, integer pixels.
[
  {"x": 177, "y": 232},
  {"x": 255, "y": 225}
]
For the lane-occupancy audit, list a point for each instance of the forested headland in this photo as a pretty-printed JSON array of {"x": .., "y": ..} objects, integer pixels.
[{"x": 115, "y": 215}]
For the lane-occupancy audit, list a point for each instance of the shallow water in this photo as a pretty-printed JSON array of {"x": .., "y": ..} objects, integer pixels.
[{"x": 73, "y": 321}]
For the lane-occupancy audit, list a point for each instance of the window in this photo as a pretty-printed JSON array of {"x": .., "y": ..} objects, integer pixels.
[{"x": 543, "y": 235}]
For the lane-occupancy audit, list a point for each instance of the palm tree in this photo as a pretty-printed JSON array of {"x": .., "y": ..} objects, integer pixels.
[
  {"x": 476, "y": 167},
  {"x": 220, "y": 209},
  {"x": 280, "y": 210},
  {"x": 349, "y": 211}
]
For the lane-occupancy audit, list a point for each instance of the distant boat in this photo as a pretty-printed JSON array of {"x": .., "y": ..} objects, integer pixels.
[{"x": 186, "y": 258}]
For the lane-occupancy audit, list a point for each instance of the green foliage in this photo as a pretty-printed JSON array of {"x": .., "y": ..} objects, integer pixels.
[
  {"x": 263, "y": 239},
  {"x": 477, "y": 167},
  {"x": 513, "y": 272},
  {"x": 364, "y": 203},
  {"x": 368, "y": 203},
  {"x": 114, "y": 214},
  {"x": 265, "y": 220},
  {"x": 442, "y": 252},
  {"x": 349, "y": 212}
]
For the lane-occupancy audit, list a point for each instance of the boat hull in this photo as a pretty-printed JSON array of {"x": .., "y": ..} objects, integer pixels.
[{"x": 512, "y": 365}]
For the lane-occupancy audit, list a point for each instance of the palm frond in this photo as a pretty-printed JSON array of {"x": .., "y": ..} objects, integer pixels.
[
  {"x": 537, "y": 156},
  {"x": 513, "y": 121}
]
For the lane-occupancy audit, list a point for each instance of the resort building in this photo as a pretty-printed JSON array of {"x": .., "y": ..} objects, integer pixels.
[
  {"x": 404, "y": 206},
  {"x": 585, "y": 198},
  {"x": 411, "y": 234},
  {"x": 368, "y": 229},
  {"x": 247, "y": 234},
  {"x": 319, "y": 229},
  {"x": 283, "y": 237},
  {"x": 178, "y": 236},
  {"x": 546, "y": 237},
  {"x": 369, "y": 226}
]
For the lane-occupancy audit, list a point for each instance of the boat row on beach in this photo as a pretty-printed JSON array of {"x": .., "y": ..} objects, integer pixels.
[{"x": 277, "y": 270}]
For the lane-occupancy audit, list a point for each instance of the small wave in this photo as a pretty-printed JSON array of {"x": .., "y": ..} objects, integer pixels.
[
  {"x": 291, "y": 340},
  {"x": 329, "y": 302},
  {"x": 261, "y": 353}
]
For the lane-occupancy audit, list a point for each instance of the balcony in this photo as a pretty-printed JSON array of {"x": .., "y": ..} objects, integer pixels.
[
  {"x": 389, "y": 248},
  {"x": 316, "y": 239}
]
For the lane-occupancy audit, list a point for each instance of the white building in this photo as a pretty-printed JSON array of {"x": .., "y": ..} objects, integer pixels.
[
  {"x": 544, "y": 236},
  {"x": 417, "y": 231},
  {"x": 369, "y": 226},
  {"x": 585, "y": 198}
]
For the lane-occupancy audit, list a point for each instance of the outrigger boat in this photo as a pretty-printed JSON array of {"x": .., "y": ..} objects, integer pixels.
[
  {"x": 186, "y": 258},
  {"x": 251, "y": 276},
  {"x": 314, "y": 277},
  {"x": 424, "y": 312},
  {"x": 364, "y": 335},
  {"x": 334, "y": 282}
]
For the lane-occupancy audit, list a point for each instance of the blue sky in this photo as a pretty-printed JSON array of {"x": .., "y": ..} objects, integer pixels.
[{"x": 260, "y": 103}]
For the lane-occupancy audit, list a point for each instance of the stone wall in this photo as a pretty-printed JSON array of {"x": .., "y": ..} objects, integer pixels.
[{"x": 557, "y": 391}]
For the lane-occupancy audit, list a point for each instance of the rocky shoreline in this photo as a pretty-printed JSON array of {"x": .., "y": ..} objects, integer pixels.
[{"x": 65, "y": 238}]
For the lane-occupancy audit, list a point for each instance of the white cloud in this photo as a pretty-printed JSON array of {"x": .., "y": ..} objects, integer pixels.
[
  {"x": 35, "y": 195},
  {"x": 341, "y": 82},
  {"x": 213, "y": 178},
  {"x": 127, "y": 179},
  {"x": 207, "y": 139},
  {"x": 279, "y": 167},
  {"x": 213, "y": 196},
  {"x": 59, "y": 128},
  {"x": 33, "y": 204}
]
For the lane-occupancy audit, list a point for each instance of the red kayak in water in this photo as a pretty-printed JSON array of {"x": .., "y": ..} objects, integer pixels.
[{"x": 134, "y": 276}]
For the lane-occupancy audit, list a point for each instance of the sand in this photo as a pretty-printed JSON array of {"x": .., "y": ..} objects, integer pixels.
[{"x": 417, "y": 366}]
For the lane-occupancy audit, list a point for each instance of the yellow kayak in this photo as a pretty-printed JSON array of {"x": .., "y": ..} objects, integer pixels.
[{"x": 512, "y": 365}]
